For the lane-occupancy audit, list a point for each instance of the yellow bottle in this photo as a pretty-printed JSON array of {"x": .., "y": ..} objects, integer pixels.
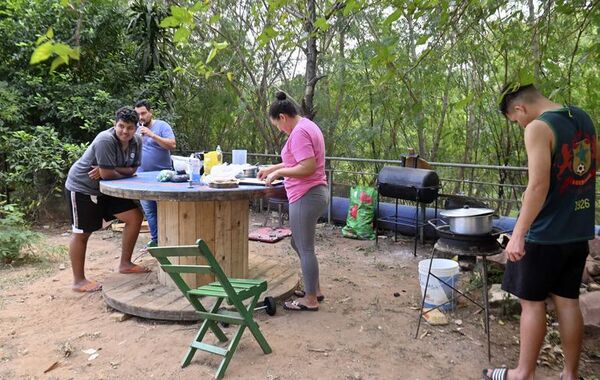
[{"x": 210, "y": 159}]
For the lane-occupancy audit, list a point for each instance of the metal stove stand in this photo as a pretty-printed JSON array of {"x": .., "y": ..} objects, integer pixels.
[
  {"x": 418, "y": 221},
  {"x": 483, "y": 248}
]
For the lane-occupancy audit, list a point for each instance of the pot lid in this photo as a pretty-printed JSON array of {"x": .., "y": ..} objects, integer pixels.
[{"x": 466, "y": 211}]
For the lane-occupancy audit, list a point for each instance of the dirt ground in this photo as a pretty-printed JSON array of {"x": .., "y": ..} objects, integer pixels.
[{"x": 365, "y": 328}]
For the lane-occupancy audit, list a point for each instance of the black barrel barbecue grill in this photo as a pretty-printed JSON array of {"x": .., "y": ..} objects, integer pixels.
[{"x": 408, "y": 184}]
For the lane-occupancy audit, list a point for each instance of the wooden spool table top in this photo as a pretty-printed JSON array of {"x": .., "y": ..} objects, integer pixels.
[{"x": 145, "y": 186}]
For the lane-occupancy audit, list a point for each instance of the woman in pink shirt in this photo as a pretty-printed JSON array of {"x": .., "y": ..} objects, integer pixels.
[{"x": 303, "y": 167}]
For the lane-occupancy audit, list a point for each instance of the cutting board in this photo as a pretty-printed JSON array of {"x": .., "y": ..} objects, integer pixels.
[
  {"x": 258, "y": 182},
  {"x": 223, "y": 185}
]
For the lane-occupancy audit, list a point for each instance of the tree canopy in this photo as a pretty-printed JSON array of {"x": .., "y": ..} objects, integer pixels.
[{"x": 378, "y": 76}]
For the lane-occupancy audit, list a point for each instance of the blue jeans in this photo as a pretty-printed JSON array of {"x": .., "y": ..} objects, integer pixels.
[{"x": 150, "y": 212}]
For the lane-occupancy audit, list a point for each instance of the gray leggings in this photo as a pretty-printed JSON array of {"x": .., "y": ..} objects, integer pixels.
[{"x": 304, "y": 214}]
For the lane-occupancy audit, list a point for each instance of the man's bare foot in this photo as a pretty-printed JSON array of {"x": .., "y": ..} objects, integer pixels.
[
  {"x": 86, "y": 286},
  {"x": 133, "y": 268}
]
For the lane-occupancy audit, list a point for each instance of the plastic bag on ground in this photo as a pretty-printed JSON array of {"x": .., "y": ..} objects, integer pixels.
[{"x": 361, "y": 211}]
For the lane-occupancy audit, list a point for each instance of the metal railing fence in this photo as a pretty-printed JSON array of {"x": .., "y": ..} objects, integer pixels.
[{"x": 500, "y": 187}]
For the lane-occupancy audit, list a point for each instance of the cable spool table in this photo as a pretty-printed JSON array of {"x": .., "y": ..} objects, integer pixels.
[{"x": 219, "y": 216}]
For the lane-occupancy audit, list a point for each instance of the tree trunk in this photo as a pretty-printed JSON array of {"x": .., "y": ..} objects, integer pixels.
[
  {"x": 311, "y": 61},
  {"x": 535, "y": 41},
  {"x": 459, "y": 186},
  {"x": 420, "y": 116},
  {"x": 437, "y": 137},
  {"x": 341, "y": 91}
]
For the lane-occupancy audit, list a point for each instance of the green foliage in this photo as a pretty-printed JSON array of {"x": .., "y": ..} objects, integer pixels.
[
  {"x": 46, "y": 47},
  {"x": 155, "y": 45},
  {"x": 48, "y": 116},
  {"x": 10, "y": 106},
  {"x": 183, "y": 20},
  {"x": 36, "y": 165},
  {"x": 15, "y": 237},
  {"x": 392, "y": 74}
]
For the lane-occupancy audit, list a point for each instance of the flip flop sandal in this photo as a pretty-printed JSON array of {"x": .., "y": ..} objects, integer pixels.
[
  {"x": 497, "y": 374},
  {"x": 300, "y": 294},
  {"x": 297, "y": 306}
]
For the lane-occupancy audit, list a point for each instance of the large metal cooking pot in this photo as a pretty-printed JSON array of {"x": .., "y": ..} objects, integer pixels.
[
  {"x": 469, "y": 221},
  {"x": 250, "y": 172}
]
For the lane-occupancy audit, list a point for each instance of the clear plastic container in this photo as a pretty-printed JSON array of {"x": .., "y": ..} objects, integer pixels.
[
  {"x": 194, "y": 169},
  {"x": 239, "y": 156}
]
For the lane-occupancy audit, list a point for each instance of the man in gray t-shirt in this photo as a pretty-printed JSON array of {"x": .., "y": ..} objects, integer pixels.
[
  {"x": 114, "y": 153},
  {"x": 105, "y": 152}
]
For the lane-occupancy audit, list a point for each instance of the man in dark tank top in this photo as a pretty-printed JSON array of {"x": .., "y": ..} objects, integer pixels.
[{"x": 549, "y": 244}]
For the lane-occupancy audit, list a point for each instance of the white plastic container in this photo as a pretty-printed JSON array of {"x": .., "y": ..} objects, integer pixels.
[
  {"x": 180, "y": 163},
  {"x": 239, "y": 156},
  {"x": 439, "y": 293}
]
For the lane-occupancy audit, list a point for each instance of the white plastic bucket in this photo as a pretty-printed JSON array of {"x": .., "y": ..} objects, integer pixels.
[{"x": 437, "y": 292}]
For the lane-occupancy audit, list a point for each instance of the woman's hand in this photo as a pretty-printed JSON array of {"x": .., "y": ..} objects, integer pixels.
[
  {"x": 272, "y": 177},
  {"x": 264, "y": 172}
]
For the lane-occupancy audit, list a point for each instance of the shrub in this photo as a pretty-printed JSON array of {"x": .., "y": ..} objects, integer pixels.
[
  {"x": 37, "y": 163},
  {"x": 15, "y": 236}
]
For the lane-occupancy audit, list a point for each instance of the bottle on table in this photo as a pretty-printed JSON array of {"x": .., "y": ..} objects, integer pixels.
[
  {"x": 219, "y": 154},
  {"x": 210, "y": 160}
]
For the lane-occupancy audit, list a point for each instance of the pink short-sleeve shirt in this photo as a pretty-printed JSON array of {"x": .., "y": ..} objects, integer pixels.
[{"x": 305, "y": 141}]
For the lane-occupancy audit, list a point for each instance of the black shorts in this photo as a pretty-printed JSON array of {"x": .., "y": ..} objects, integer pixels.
[
  {"x": 90, "y": 213},
  {"x": 547, "y": 269}
]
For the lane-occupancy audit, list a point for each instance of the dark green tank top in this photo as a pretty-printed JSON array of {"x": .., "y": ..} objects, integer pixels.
[{"x": 568, "y": 212}]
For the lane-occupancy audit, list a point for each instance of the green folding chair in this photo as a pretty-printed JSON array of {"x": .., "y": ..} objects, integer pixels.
[{"x": 234, "y": 291}]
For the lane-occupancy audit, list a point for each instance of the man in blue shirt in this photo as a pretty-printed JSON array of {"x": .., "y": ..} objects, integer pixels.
[{"x": 158, "y": 142}]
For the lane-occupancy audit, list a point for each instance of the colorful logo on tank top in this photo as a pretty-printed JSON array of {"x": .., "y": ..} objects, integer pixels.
[
  {"x": 582, "y": 157},
  {"x": 575, "y": 162}
]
